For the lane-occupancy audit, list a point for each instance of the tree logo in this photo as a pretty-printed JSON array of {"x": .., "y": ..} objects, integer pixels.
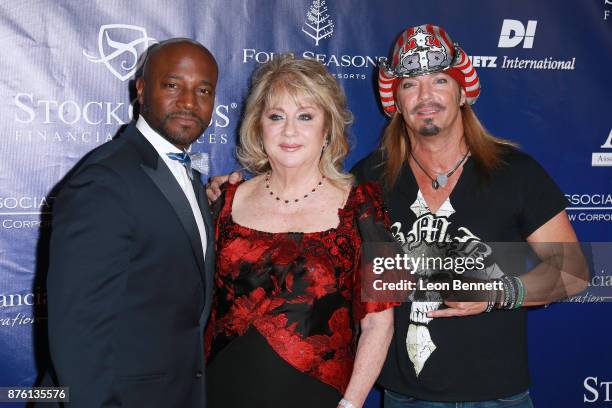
[
  {"x": 318, "y": 25},
  {"x": 125, "y": 52}
]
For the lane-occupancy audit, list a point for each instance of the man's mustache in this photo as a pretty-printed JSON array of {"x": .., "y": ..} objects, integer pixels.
[
  {"x": 185, "y": 114},
  {"x": 422, "y": 105}
]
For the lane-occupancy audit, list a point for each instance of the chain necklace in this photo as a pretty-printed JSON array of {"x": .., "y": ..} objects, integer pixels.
[
  {"x": 295, "y": 200},
  {"x": 441, "y": 179}
]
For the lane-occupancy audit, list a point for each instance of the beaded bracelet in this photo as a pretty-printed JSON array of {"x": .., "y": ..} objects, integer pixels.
[
  {"x": 495, "y": 298},
  {"x": 506, "y": 292},
  {"x": 507, "y": 283},
  {"x": 513, "y": 293},
  {"x": 491, "y": 300},
  {"x": 510, "y": 293},
  {"x": 499, "y": 295}
]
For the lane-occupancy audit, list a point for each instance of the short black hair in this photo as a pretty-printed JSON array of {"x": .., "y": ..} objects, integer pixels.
[{"x": 153, "y": 49}]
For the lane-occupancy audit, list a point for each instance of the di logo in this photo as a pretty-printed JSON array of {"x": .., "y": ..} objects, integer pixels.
[{"x": 513, "y": 32}]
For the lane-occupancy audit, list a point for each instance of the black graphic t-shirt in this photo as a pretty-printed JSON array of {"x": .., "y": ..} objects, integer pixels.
[{"x": 478, "y": 357}]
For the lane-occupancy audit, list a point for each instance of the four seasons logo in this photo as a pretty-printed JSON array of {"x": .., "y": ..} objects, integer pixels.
[{"x": 318, "y": 25}]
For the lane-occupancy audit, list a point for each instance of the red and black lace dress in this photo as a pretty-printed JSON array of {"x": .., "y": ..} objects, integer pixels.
[{"x": 286, "y": 307}]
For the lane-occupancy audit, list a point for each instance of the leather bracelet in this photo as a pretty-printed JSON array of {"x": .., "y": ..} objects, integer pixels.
[{"x": 346, "y": 403}]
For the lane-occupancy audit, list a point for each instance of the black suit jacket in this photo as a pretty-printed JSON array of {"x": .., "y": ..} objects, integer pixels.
[{"x": 129, "y": 290}]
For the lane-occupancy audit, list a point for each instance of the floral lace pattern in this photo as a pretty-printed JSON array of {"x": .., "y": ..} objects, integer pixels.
[{"x": 301, "y": 291}]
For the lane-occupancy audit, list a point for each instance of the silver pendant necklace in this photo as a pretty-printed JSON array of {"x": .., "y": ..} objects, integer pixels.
[{"x": 441, "y": 180}]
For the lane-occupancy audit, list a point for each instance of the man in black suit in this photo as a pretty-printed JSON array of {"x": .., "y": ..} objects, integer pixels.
[{"x": 131, "y": 264}]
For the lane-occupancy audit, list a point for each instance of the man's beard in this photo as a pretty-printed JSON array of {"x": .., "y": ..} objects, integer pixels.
[
  {"x": 180, "y": 138},
  {"x": 430, "y": 129}
]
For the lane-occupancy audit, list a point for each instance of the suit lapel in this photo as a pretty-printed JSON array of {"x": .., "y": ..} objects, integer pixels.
[
  {"x": 208, "y": 225},
  {"x": 167, "y": 184},
  {"x": 203, "y": 204},
  {"x": 209, "y": 262},
  {"x": 161, "y": 175}
]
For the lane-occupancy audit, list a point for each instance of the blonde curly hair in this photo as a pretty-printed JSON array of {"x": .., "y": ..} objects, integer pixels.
[{"x": 300, "y": 78}]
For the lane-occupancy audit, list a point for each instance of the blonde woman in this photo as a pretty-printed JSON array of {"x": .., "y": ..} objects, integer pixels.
[{"x": 287, "y": 310}]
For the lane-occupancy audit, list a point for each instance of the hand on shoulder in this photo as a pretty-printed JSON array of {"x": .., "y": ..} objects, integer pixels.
[{"x": 213, "y": 187}]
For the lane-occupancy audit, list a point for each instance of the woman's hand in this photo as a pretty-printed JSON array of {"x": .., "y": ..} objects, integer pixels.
[{"x": 213, "y": 190}]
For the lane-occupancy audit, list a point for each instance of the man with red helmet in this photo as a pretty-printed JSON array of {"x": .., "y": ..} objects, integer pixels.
[{"x": 449, "y": 183}]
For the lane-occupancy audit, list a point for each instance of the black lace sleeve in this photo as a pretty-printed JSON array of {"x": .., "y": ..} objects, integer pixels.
[{"x": 376, "y": 241}]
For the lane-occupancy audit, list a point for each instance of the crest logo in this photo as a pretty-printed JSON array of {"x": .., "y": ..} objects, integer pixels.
[
  {"x": 120, "y": 57},
  {"x": 318, "y": 25}
]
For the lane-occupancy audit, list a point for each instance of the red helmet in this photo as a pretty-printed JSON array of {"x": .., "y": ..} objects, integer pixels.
[{"x": 423, "y": 50}]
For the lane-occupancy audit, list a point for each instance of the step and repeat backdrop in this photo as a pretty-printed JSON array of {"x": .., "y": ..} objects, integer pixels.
[{"x": 66, "y": 84}]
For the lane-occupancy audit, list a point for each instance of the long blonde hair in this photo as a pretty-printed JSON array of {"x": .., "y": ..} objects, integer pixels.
[{"x": 486, "y": 149}]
